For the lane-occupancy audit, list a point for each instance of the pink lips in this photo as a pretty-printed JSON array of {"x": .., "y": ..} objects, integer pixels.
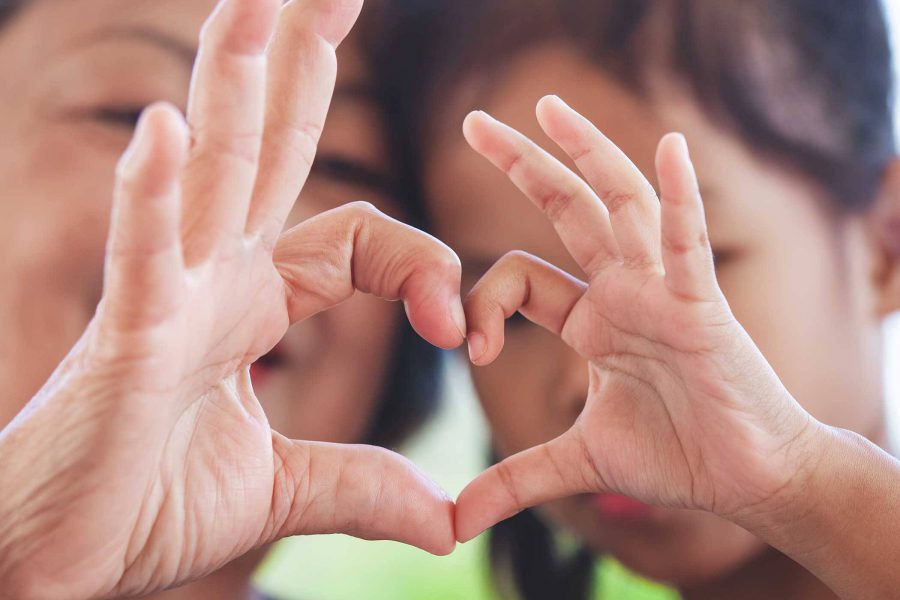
[
  {"x": 614, "y": 506},
  {"x": 262, "y": 370}
]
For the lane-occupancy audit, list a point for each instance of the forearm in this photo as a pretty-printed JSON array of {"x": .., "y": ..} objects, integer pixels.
[{"x": 842, "y": 521}]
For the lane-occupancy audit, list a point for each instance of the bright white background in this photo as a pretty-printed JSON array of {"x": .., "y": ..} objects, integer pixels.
[{"x": 892, "y": 356}]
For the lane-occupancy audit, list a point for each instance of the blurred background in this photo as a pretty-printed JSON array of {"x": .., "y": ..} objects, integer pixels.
[
  {"x": 452, "y": 450},
  {"x": 363, "y": 374},
  {"x": 893, "y": 326}
]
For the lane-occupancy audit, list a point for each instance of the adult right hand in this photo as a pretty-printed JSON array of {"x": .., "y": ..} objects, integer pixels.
[{"x": 147, "y": 461}]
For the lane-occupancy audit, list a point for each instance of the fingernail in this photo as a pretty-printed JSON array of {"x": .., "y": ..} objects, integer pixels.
[
  {"x": 458, "y": 314},
  {"x": 483, "y": 115},
  {"x": 477, "y": 346},
  {"x": 682, "y": 142},
  {"x": 139, "y": 148},
  {"x": 558, "y": 100}
]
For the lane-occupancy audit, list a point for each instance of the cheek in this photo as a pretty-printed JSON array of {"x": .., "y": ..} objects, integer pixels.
[
  {"x": 62, "y": 185},
  {"x": 689, "y": 548},
  {"x": 55, "y": 197},
  {"x": 791, "y": 299},
  {"x": 339, "y": 366}
]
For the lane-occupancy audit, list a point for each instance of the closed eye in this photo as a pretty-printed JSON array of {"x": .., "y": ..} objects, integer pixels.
[
  {"x": 347, "y": 171},
  {"x": 125, "y": 117}
]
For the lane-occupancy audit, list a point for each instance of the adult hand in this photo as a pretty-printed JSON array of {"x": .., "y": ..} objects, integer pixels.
[
  {"x": 146, "y": 460},
  {"x": 682, "y": 409}
]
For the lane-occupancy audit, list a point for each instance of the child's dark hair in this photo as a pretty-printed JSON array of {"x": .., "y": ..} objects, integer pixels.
[{"x": 804, "y": 83}]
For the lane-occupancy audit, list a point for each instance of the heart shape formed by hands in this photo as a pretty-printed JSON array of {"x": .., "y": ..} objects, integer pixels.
[{"x": 168, "y": 467}]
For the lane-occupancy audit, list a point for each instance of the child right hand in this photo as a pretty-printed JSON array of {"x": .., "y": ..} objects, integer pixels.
[{"x": 682, "y": 409}]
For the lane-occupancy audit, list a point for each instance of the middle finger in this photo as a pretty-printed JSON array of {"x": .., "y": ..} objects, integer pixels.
[{"x": 225, "y": 115}]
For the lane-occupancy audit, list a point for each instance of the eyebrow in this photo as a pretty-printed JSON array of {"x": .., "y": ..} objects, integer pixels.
[{"x": 185, "y": 52}]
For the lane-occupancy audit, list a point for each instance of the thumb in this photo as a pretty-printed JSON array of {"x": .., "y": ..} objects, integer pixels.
[
  {"x": 535, "y": 476},
  {"x": 363, "y": 491}
]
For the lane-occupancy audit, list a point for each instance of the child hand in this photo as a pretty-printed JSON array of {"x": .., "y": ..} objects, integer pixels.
[{"x": 682, "y": 409}]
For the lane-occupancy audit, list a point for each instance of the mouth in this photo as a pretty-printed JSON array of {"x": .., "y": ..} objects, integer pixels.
[
  {"x": 267, "y": 365},
  {"x": 614, "y": 507}
]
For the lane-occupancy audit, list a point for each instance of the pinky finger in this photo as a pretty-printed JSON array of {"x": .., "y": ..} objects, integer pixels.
[
  {"x": 144, "y": 259},
  {"x": 519, "y": 282},
  {"x": 687, "y": 257}
]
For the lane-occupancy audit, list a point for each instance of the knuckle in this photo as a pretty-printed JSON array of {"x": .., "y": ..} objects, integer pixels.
[
  {"x": 240, "y": 147},
  {"x": 300, "y": 140},
  {"x": 581, "y": 152},
  {"x": 616, "y": 199},
  {"x": 507, "y": 479},
  {"x": 363, "y": 209},
  {"x": 512, "y": 162},
  {"x": 515, "y": 260},
  {"x": 555, "y": 203}
]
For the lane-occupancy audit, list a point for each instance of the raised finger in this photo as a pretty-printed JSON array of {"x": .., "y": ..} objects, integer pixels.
[
  {"x": 686, "y": 253},
  {"x": 629, "y": 197},
  {"x": 580, "y": 219},
  {"x": 518, "y": 282},
  {"x": 302, "y": 71},
  {"x": 144, "y": 257},
  {"x": 225, "y": 114}
]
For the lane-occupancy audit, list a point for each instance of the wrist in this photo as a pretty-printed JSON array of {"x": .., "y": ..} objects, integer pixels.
[
  {"x": 798, "y": 466},
  {"x": 821, "y": 495}
]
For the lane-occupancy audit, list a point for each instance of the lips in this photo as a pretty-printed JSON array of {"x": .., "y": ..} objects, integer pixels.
[
  {"x": 263, "y": 369},
  {"x": 623, "y": 508}
]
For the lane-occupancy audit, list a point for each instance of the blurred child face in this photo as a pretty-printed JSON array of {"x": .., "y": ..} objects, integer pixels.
[
  {"x": 75, "y": 75},
  {"x": 798, "y": 278}
]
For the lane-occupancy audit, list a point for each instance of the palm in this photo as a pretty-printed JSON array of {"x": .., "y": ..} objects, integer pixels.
[
  {"x": 665, "y": 420},
  {"x": 215, "y": 462},
  {"x": 150, "y": 432},
  {"x": 654, "y": 411}
]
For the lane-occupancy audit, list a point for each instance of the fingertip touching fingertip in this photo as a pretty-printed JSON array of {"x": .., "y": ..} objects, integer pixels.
[
  {"x": 458, "y": 314},
  {"x": 477, "y": 346}
]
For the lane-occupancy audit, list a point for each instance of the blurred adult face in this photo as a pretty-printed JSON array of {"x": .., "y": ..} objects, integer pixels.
[
  {"x": 797, "y": 277},
  {"x": 75, "y": 76}
]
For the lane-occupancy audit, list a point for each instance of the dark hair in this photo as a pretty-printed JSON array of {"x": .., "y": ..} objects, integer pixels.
[
  {"x": 410, "y": 394},
  {"x": 806, "y": 83},
  {"x": 7, "y": 9}
]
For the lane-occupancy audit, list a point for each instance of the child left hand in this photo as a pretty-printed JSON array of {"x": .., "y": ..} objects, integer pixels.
[{"x": 682, "y": 409}]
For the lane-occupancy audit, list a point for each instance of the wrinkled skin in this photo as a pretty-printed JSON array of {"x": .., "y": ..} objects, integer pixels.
[{"x": 149, "y": 433}]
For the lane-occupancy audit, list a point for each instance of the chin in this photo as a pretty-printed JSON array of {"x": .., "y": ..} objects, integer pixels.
[{"x": 678, "y": 547}]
